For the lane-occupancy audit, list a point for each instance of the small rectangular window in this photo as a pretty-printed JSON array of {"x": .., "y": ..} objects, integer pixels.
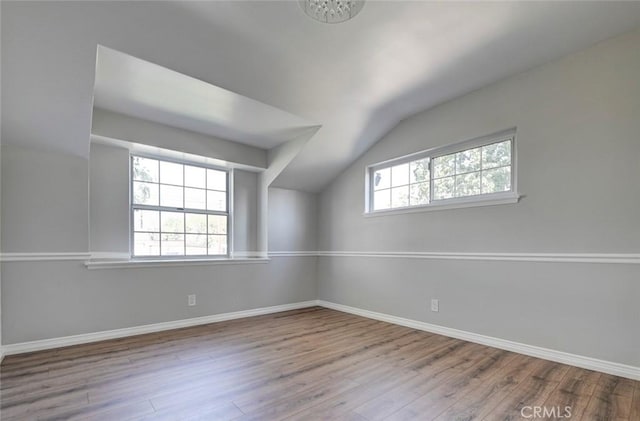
[
  {"x": 478, "y": 169},
  {"x": 178, "y": 209}
]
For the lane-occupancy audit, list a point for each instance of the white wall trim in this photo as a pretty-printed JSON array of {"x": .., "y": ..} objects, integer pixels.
[
  {"x": 589, "y": 363},
  {"x": 612, "y": 258},
  {"x": 20, "y": 348},
  {"x": 102, "y": 255},
  {"x": 293, "y": 253},
  {"x": 457, "y": 203},
  {"x": 35, "y": 257},
  {"x": 129, "y": 264},
  {"x": 250, "y": 256}
]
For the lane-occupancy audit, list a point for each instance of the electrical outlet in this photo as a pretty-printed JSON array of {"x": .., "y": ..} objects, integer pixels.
[
  {"x": 191, "y": 300},
  {"x": 435, "y": 305}
]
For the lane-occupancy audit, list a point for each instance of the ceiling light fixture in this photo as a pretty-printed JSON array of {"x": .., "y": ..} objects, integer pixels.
[{"x": 331, "y": 11}]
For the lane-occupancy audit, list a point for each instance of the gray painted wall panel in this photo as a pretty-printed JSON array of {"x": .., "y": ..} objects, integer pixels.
[
  {"x": 579, "y": 166},
  {"x": 53, "y": 299},
  {"x": 43, "y": 300},
  {"x": 578, "y": 156},
  {"x": 44, "y": 201},
  {"x": 245, "y": 210},
  {"x": 292, "y": 220},
  {"x": 121, "y": 127},
  {"x": 109, "y": 199},
  {"x": 585, "y": 309}
]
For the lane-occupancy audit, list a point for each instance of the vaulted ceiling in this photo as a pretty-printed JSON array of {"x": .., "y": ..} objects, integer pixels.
[{"x": 357, "y": 79}]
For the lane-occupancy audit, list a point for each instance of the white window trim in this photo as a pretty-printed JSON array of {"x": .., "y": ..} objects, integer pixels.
[
  {"x": 158, "y": 260},
  {"x": 490, "y": 199}
]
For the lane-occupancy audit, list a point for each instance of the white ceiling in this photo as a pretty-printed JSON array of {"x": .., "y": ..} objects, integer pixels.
[
  {"x": 357, "y": 79},
  {"x": 135, "y": 87}
]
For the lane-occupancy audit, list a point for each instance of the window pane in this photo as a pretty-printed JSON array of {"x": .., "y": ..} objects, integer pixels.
[
  {"x": 419, "y": 171},
  {"x": 419, "y": 194},
  {"x": 217, "y": 224},
  {"x": 467, "y": 161},
  {"x": 468, "y": 184},
  {"x": 382, "y": 199},
  {"x": 217, "y": 244},
  {"x": 382, "y": 179},
  {"x": 443, "y": 188},
  {"x": 171, "y": 173},
  {"x": 145, "y": 193},
  {"x": 171, "y": 196},
  {"x": 216, "y": 200},
  {"x": 172, "y": 221},
  {"x": 444, "y": 166},
  {"x": 496, "y": 155},
  {"x": 146, "y": 220},
  {"x": 195, "y": 176},
  {"x": 196, "y": 244},
  {"x": 400, "y": 197},
  {"x": 172, "y": 244},
  {"x": 195, "y": 198},
  {"x": 400, "y": 175},
  {"x": 196, "y": 223},
  {"x": 496, "y": 180},
  {"x": 146, "y": 244},
  {"x": 217, "y": 180},
  {"x": 145, "y": 169}
]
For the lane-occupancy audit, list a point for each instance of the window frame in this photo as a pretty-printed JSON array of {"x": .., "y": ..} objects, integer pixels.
[
  {"x": 132, "y": 207},
  {"x": 510, "y": 196}
]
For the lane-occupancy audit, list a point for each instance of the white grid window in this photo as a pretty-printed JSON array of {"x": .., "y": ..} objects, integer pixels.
[
  {"x": 474, "y": 170},
  {"x": 178, "y": 209}
]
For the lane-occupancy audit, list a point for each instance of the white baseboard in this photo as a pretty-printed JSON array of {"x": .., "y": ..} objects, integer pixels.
[
  {"x": 40, "y": 345},
  {"x": 589, "y": 363}
]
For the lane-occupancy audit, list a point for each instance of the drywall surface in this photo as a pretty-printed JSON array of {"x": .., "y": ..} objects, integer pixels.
[
  {"x": 122, "y": 127},
  {"x": 109, "y": 199},
  {"x": 292, "y": 220},
  {"x": 53, "y": 299},
  {"x": 245, "y": 210},
  {"x": 46, "y": 210},
  {"x": 578, "y": 159},
  {"x": 44, "y": 201}
]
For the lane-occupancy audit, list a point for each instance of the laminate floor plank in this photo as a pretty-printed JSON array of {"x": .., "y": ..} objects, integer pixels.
[
  {"x": 612, "y": 399},
  {"x": 307, "y": 364},
  {"x": 283, "y": 406},
  {"x": 436, "y": 401},
  {"x": 635, "y": 406},
  {"x": 480, "y": 402},
  {"x": 534, "y": 390},
  {"x": 344, "y": 404}
]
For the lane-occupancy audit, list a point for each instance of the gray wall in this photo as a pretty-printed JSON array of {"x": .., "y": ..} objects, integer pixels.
[
  {"x": 44, "y": 201},
  {"x": 118, "y": 126},
  {"x": 109, "y": 199},
  {"x": 245, "y": 210},
  {"x": 46, "y": 208},
  {"x": 578, "y": 169},
  {"x": 54, "y": 299},
  {"x": 292, "y": 220}
]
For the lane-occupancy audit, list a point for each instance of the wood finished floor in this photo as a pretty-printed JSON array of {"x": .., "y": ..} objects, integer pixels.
[{"x": 301, "y": 365}]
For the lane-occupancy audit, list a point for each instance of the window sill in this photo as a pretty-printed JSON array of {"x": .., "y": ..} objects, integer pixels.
[
  {"x": 127, "y": 264},
  {"x": 502, "y": 199}
]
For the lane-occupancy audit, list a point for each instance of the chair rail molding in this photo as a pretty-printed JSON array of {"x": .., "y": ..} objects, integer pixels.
[{"x": 603, "y": 258}]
